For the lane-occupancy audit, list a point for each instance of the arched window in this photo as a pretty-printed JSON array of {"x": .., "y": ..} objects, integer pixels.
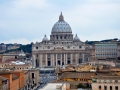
[
  {"x": 37, "y": 47},
  {"x": 99, "y": 87},
  {"x": 116, "y": 87},
  {"x": 105, "y": 87},
  {"x": 110, "y": 87}
]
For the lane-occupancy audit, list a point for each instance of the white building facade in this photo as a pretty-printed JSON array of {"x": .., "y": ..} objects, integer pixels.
[
  {"x": 106, "y": 50},
  {"x": 61, "y": 49}
]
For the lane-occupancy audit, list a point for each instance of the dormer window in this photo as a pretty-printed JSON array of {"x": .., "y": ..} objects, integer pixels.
[
  {"x": 99, "y": 81},
  {"x": 104, "y": 81},
  {"x": 110, "y": 81}
]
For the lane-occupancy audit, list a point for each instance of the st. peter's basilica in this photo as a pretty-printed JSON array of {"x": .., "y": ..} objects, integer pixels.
[{"x": 62, "y": 48}]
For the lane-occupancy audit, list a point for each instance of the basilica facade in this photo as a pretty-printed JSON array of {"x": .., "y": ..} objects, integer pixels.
[{"x": 61, "y": 49}]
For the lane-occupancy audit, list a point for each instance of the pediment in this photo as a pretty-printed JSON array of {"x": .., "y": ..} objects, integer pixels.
[{"x": 58, "y": 48}]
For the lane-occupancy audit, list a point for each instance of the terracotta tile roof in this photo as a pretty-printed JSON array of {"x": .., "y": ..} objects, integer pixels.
[
  {"x": 3, "y": 78},
  {"x": 9, "y": 60},
  {"x": 4, "y": 72},
  {"x": 103, "y": 70},
  {"x": 108, "y": 77},
  {"x": 115, "y": 69},
  {"x": 14, "y": 77},
  {"x": 64, "y": 70},
  {"x": 77, "y": 75}
]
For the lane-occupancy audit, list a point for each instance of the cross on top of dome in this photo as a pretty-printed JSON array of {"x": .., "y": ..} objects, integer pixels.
[{"x": 61, "y": 18}]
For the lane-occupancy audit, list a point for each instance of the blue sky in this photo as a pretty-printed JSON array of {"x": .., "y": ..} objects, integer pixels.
[{"x": 25, "y": 21}]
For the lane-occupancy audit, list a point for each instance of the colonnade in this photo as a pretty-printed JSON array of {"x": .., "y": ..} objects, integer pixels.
[{"x": 54, "y": 60}]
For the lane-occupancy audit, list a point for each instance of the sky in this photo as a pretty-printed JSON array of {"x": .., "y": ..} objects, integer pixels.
[{"x": 26, "y": 21}]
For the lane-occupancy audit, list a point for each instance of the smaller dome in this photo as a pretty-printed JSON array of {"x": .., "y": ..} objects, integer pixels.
[
  {"x": 22, "y": 53},
  {"x": 45, "y": 38},
  {"x": 76, "y": 39}
]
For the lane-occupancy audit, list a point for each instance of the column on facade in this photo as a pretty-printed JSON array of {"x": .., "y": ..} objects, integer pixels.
[
  {"x": 56, "y": 59},
  {"x": 46, "y": 61},
  {"x": 40, "y": 60},
  {"x": 61, "y": 60},
  {"x": 76, "y": 57},
  {"x": 71, "y": 58},
  {"x": 64, "y": 59},
  {"x": 88, "y": 58},
  {"x": 53, "y": 60},
  {"x": 33, "y": 62},
  {"x": 83, "y": 57}
]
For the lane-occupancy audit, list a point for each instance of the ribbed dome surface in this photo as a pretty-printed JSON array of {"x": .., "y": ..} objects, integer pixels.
[
  {"x": 61, "y": 26},
  {"x": 76, "y": 39}
]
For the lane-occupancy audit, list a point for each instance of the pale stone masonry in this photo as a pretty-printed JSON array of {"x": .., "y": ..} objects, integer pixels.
[
  {"x": 106, "y": 83},
  {"x": 62, "y": 48}
]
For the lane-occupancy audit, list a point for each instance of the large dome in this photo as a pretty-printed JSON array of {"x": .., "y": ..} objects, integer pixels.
[{"x": 61, "y": 26}]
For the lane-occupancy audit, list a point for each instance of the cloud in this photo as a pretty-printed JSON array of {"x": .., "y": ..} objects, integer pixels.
[
  {"x": 27, "y": 20},
  {"x": 21, "y": 41},
  {"x": 107, "y": 34},
  {"x": 26, "y": 4}
]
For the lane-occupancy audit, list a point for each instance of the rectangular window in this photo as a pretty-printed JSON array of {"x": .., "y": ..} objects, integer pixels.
[
  {"x": 110, "y": 87},
  {"x": 99, "y": 87},
  {"x": 110, "y": 81},
  {"x": 79, "y": 46},
  {"x": 116, "y": 81},
  {"x": 104, "y": 81},
  {"x": 99, "y": 81},
  {"x": 105, "y": 87},
  {"x": 37, "y": 55},
  {"x": 32, "y": 75},
  {"x": 116, "y": 87}
]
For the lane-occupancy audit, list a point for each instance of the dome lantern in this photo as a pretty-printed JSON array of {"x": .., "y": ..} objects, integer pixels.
[{"x": 61, "y": 18}]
